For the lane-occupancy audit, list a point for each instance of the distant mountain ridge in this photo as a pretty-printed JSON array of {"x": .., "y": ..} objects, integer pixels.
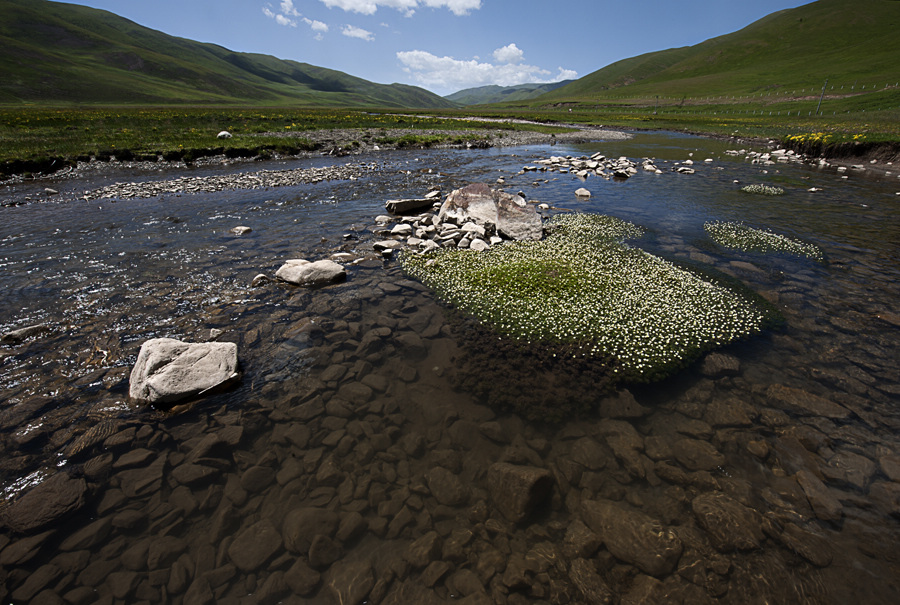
[
  {"x": 56, "y": 52},
  {"x": 842, "y": 41},
  {"x": 500, "y": 94}
]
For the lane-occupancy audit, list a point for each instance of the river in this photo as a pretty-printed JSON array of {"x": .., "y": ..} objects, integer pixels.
[{"x": 352, "y": 465}]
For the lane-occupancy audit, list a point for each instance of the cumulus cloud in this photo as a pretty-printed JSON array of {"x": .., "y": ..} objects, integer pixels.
[
  {"x": 509, "y": 54},
  {"x": 407, "y": 7},
  {"x": 287, "y": 8},
  {"x": 351, "y": 31},
  {"x": 447, "y": 73}
]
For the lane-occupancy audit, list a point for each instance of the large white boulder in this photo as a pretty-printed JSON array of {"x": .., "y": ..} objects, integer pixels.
[
  {"x": 492, "y": 209},
  {"x": 169, "y": 370},
  {"x": 305, "y": 273}
]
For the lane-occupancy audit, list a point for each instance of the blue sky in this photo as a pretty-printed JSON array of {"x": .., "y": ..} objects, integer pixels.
[{"x": 448, "y": 45}]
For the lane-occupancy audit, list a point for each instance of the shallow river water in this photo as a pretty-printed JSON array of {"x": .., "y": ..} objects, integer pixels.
[{"x": 351, "y": 464}]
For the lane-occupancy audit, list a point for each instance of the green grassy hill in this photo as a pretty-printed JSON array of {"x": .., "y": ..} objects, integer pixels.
[
  {"x": 63, "y": 53},
  {"x": 851, "y": 44},
  {"x": 501, "y": 94}
]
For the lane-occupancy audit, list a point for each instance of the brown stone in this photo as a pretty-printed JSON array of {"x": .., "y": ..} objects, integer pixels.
[
  {"x": 584, "y": 575},
  {"x": 729, "y": 524},
  {"x": 301, "y": 525},
  {"x": 633, "y": 537},
  {"x": 46, "y": 503},
  {"x": 254, "y": 546},
  {"x": 351, "y": 582},
  {"x": 446, "y": 487},
  {"x": 801, "y": 402},
  {"x": 517, "y": 491}
]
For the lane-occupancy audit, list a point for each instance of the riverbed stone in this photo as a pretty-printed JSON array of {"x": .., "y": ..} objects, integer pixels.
[
  {"x": 518, "y": 491},
  {"x": 169, "y": 370},
  {"x": 302, "y": 272},
  {"x": 446, "y": 487},
  {"x": 729, "y": 524},
  {"x": 301, "y": 578},
  {"x": 717, "y": 364},
  {"x": 633, "y": 537},
  {"x": 813, "y": 547},
  {"x": 584, "y": 575},
  {"x": 254, "y": 546},
  {"x": 804, "y": 403},
  {"x": 850, "y": 469},
  {"x": 46, "y": 503},
  {"x": 697, "y": 455},
  {"x": 301, "y": 525},
  {"x": 826, "y": 506},
  {"x": 351, "y": 582}
]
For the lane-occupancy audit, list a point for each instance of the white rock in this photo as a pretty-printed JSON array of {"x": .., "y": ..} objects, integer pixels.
[
  {"x": 259, "y": 280},
  {"x": 388, "y": 244},
  {"x": 304, "y": 273},
  {"x": 241, "y": 230},
  {"x": 383, "y": 219},
  {"x": 224, "y": 135},
  {"x": 168, "y": 370},
  {"x": 479, "y": 245},
  {"x": 474, "y": 228},
  {"x": 403, "y": 229},
  {"x": 582, "y": 192}
]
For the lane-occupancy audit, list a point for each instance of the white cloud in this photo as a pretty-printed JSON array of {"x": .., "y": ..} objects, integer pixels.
[
  {"x": 509, "y": 54},
  {"x": 317, "y": 26},
  {"x": 287, "y": 8},
  {"x": 447, "y": 73},
  {"x": 407, "y": 7},
  {"x": 351, "y": 31},
  {"x": 282, "y": 18}
]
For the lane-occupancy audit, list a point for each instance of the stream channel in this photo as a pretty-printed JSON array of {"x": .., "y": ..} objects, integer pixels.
[{"x": 350, "y": 465}]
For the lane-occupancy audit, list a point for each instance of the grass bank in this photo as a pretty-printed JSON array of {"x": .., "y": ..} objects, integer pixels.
[
  {"x": 39, "y": 139},
  {"x": 835, "y": 126},
  {"x": 44, "y": 139}
]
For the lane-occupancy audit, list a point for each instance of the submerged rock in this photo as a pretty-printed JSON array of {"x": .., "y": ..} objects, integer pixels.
[
  {"x": 633, "y": 537},
  {"x": 45, "y": 503},
  {"x": 517, "y": 491},
  {"x": 168, "y": 370}
]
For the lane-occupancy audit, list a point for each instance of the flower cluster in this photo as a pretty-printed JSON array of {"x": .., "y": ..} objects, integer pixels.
[
  {"x": 582, "y": 286},
  {"x": 762, "y": 189},
  {"x": 749, "y": 239}
]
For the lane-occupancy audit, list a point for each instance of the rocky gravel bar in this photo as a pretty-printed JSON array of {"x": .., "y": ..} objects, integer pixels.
[{"x": 242, "y": 180}]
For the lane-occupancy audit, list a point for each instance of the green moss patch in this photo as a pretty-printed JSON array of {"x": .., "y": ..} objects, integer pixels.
[
  {"x": 762, "y": 189},
  {"x": 749, "y": 239},
  {"x": 584, "y": 291}
]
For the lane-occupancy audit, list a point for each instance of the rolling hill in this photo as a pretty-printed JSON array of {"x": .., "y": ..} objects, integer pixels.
[
  {"x": 500, "y": 94},
  {"x": 63, "y": 53},
  {"x": 844, "y": 42}
]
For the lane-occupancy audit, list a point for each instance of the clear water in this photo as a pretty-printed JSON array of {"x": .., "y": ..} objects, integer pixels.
[{"x": 105, "y": 276}]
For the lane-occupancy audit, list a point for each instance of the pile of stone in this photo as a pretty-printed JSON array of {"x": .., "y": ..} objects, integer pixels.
[
  {"x": 769, "y": 158},
  {"x": 476, "y": 217},
  {"x": 595, "y": 165}
]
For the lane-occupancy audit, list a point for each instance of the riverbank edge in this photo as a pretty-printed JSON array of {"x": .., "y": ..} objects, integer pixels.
[{"x": 344, "y": 142}]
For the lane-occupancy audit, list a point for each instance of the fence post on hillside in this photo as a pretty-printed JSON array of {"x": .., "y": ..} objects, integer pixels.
[{"x": 821, "y": 97}]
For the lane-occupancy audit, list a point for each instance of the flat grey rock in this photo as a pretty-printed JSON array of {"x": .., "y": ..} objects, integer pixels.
[{"x": 168, "y": 370}]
